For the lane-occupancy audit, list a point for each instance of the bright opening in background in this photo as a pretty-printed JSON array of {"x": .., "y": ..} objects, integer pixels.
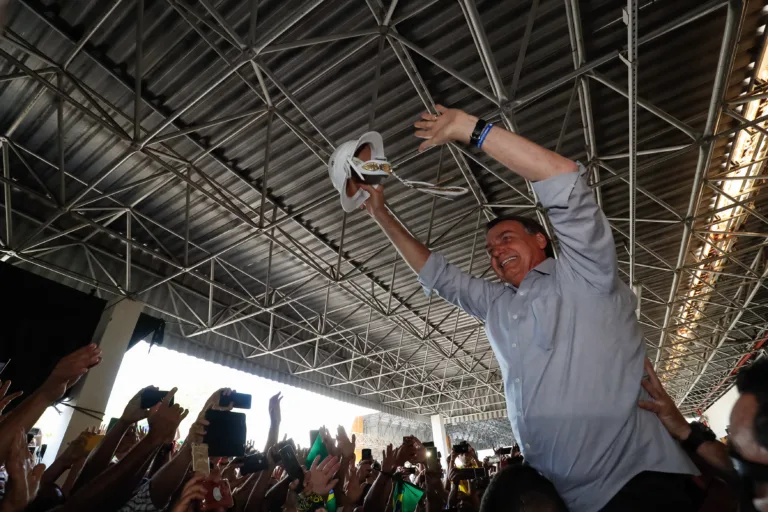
[{"x": 196, "y": 379}]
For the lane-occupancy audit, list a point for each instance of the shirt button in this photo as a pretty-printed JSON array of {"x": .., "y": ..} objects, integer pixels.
[
  {"x": 517, "y": 380},
  {"x": 514, "y": 345},
  {"x": 514, "y": 317}
]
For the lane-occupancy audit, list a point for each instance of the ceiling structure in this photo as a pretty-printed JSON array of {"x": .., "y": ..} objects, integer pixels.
[{"x": 174, "y": 152}]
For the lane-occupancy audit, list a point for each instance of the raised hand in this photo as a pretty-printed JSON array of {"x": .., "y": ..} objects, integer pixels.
[
  {"x": 23, "y": 475},
  {"x": 274, "y": 408},
  {"x": 447, "y": 125},
  {"x": 5, "y": 400},
  {"x": 194, "y": 490},
  {"x": 319, "y": 479},
  {"x": 328, "y": 441},
  {"x": 214, "y": 400},
  {"x": 388, "y": 460},
  {"x": 353, "y": 490},
  {"x": 164, "y": 419},
  {"x": 133, "y": 412},
  {"x": 662, "y": 405},
  {"x": 406, "y": 452},
  {"x": 69, "y": 370},
  {"x": 197, "y": 431},
  {"x": 345, "y": 446}
]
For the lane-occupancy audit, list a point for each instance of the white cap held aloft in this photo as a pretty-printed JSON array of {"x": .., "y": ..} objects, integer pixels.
[{"x": 344, "y": 165}]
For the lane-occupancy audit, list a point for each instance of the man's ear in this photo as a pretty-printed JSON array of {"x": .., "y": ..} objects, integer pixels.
[{"x": 541, "y": 240}]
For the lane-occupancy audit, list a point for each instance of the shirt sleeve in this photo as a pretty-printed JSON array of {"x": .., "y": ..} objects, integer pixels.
[
  {"x": 587, "y": 248},
  {"x": 471, "y": 294}
]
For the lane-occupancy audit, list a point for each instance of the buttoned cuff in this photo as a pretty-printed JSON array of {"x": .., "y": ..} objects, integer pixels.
[
  {"x": 555, "y": 192},
  {"x": 431, "y": 272}
]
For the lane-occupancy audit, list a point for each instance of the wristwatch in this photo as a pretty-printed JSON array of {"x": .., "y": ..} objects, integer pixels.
[{"x": 699, "y": 435}]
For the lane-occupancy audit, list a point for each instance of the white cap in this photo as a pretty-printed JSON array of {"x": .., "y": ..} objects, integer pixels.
[{"x": 340, "y": 169}]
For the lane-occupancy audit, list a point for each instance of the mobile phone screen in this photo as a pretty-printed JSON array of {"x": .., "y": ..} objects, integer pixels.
[
  {"x": 226, "y": 433},
  {"x": 151, "y": 397},
  {"x": 366, "y": 455},
  {"x": 291, "y": 465},
  {"x": 238, "y": 400},
  {"x": 254, "y": 463}
]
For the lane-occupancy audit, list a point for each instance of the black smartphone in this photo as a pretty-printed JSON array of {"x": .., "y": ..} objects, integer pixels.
[
  {"x": 254, "y": 463},
  {"x": 409, "y": 471},
  {"x": 462, "y": 447},
  {"x": 226, "y": 433},
  {"x": 367, "y": 454},
  {"x": 312, "y": 436},
  {"x": 292, "y": 466},
  {"x": 428, "y": 444},
  {"x": 151, "y": 397},
  {"x": 504, "y": 451},
  {"x": 238, "y": 400},
  {"x": 4, "y": 365},
  {"x": 112, "y": 423},
  {"x": 431, "y": 452},
  {"x": 472, "y": 473}
]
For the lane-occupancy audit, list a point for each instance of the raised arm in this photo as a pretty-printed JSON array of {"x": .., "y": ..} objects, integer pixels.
[
  {"x": 67, "y": 372},
  {"x": 469, "y": 293},
  {"x": 587, "y": 248},
  {"x": 516, "y": 153},
  {"x": 714, "y": 453}
]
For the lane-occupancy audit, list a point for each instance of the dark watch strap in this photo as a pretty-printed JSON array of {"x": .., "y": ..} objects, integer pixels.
[
  {"x": 477, "y": 132},
  {"x": 699, "y": 435}
]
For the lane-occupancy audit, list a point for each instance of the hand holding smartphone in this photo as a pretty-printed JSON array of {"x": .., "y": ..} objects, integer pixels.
[
  {"x": 151, "y": 397},
  {"x": 237, "y": 400}
]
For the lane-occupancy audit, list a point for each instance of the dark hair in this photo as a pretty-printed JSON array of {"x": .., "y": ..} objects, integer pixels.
[
  {"x": 521, "y": 489},
  {"x": 754, "y": 380},
  {"x": 531, "y": 227}
]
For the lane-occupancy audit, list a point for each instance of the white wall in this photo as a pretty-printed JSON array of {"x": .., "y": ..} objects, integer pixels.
[{"x": 718, "y": 415}]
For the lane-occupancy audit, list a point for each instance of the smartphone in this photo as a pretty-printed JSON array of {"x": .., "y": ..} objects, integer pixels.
[
  {"x": 254, "y": 463},
  {"x": 238, "y": 400},
  {"x": 431, "y": 452},
  {"x": 504, "y": 451},
  {"x": 92, "y": 442},
  {"x": 472, "y": 473},
  {"x": 428, "y": 444},
  {"x": 226, "y": 433},
  {"x": 151, "y": 397},
  {"x": 112, "y": 423},
  {"x": 312, "y": 437},
  {"x": 287, "y": 442},
  {"x": 367, "y": 454},
  {"x": 218, "y": 495},
  {"x": 30, "y": 437},
  {"x": 3, "y": 365},
  {"x": 462, "y": 447},
  {"x": 409, "y": 471},
  {"x": 292, "y": 466}
]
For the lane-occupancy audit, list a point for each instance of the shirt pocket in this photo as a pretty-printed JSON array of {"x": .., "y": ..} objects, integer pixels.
[{"x": 547, "y": 316}]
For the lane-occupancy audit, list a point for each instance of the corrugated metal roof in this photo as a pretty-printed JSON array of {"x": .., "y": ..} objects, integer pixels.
[{"x": 397, "y": 348}]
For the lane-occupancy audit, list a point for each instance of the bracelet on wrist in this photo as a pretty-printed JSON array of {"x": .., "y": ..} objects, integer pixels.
[
  {"x": 477, "y": 132},
  {"x": 483, "y": 135}
]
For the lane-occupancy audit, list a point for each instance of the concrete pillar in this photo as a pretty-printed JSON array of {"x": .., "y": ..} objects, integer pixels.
[
  {"x": 439, "y": 437},
  {"x": 112, "y": 335}
]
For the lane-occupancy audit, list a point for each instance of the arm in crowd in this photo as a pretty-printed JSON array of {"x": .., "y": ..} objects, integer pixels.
[
  {"x": 714, "y": 453},
  {"x": 64, "y": 375},
  {"x": 274, "y": 421},
  {"x": 116, "y": 485},
  {"x": 375, "y": 500}
]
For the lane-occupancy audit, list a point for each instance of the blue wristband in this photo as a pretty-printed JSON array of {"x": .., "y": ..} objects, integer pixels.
[{"x": 483, "y": 135}]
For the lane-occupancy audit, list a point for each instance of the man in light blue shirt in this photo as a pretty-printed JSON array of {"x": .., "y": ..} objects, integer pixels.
[{"x": 564, "y": 331}]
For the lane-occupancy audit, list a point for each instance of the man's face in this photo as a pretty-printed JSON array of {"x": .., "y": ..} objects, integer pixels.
[
  {"x": 743, "y": 439},
  {"x": 514, "y": 251}
]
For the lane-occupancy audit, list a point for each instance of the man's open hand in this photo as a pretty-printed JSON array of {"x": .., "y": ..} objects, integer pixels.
[
  {"x": 274, "y": 408},
  {"x": 663, "y": 406},
  {"x": 24, "y": 476},
  {"x": 133, "y": 412},
  {"x": 69, "y": 370},
  {"x": 448, "y": 125}
]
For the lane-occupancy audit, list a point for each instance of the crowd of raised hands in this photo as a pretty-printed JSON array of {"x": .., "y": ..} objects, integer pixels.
[{"x": 132, "y": 468}]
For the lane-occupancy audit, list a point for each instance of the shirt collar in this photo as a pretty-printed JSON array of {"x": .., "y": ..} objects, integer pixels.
[{"x": 546, "y": 267}]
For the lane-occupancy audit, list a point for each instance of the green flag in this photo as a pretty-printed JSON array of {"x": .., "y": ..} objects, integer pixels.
[
  {"x": 330, "y": 503},
  {"x": 406, "y": 497},
  {"x": 317, "y": 449}
]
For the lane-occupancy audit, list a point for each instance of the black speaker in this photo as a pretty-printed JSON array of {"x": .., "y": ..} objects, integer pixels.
[{"x": 40, "y": 322}]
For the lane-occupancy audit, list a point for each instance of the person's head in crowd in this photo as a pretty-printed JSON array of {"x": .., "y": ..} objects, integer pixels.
[
  {"x": 748, "y": 431},
  {"x": 521, "y": 489},
  {"x": 516, "y": 245}
]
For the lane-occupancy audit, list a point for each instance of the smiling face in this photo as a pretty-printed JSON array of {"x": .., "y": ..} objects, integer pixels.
[{"x": 513, "y": 251}]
